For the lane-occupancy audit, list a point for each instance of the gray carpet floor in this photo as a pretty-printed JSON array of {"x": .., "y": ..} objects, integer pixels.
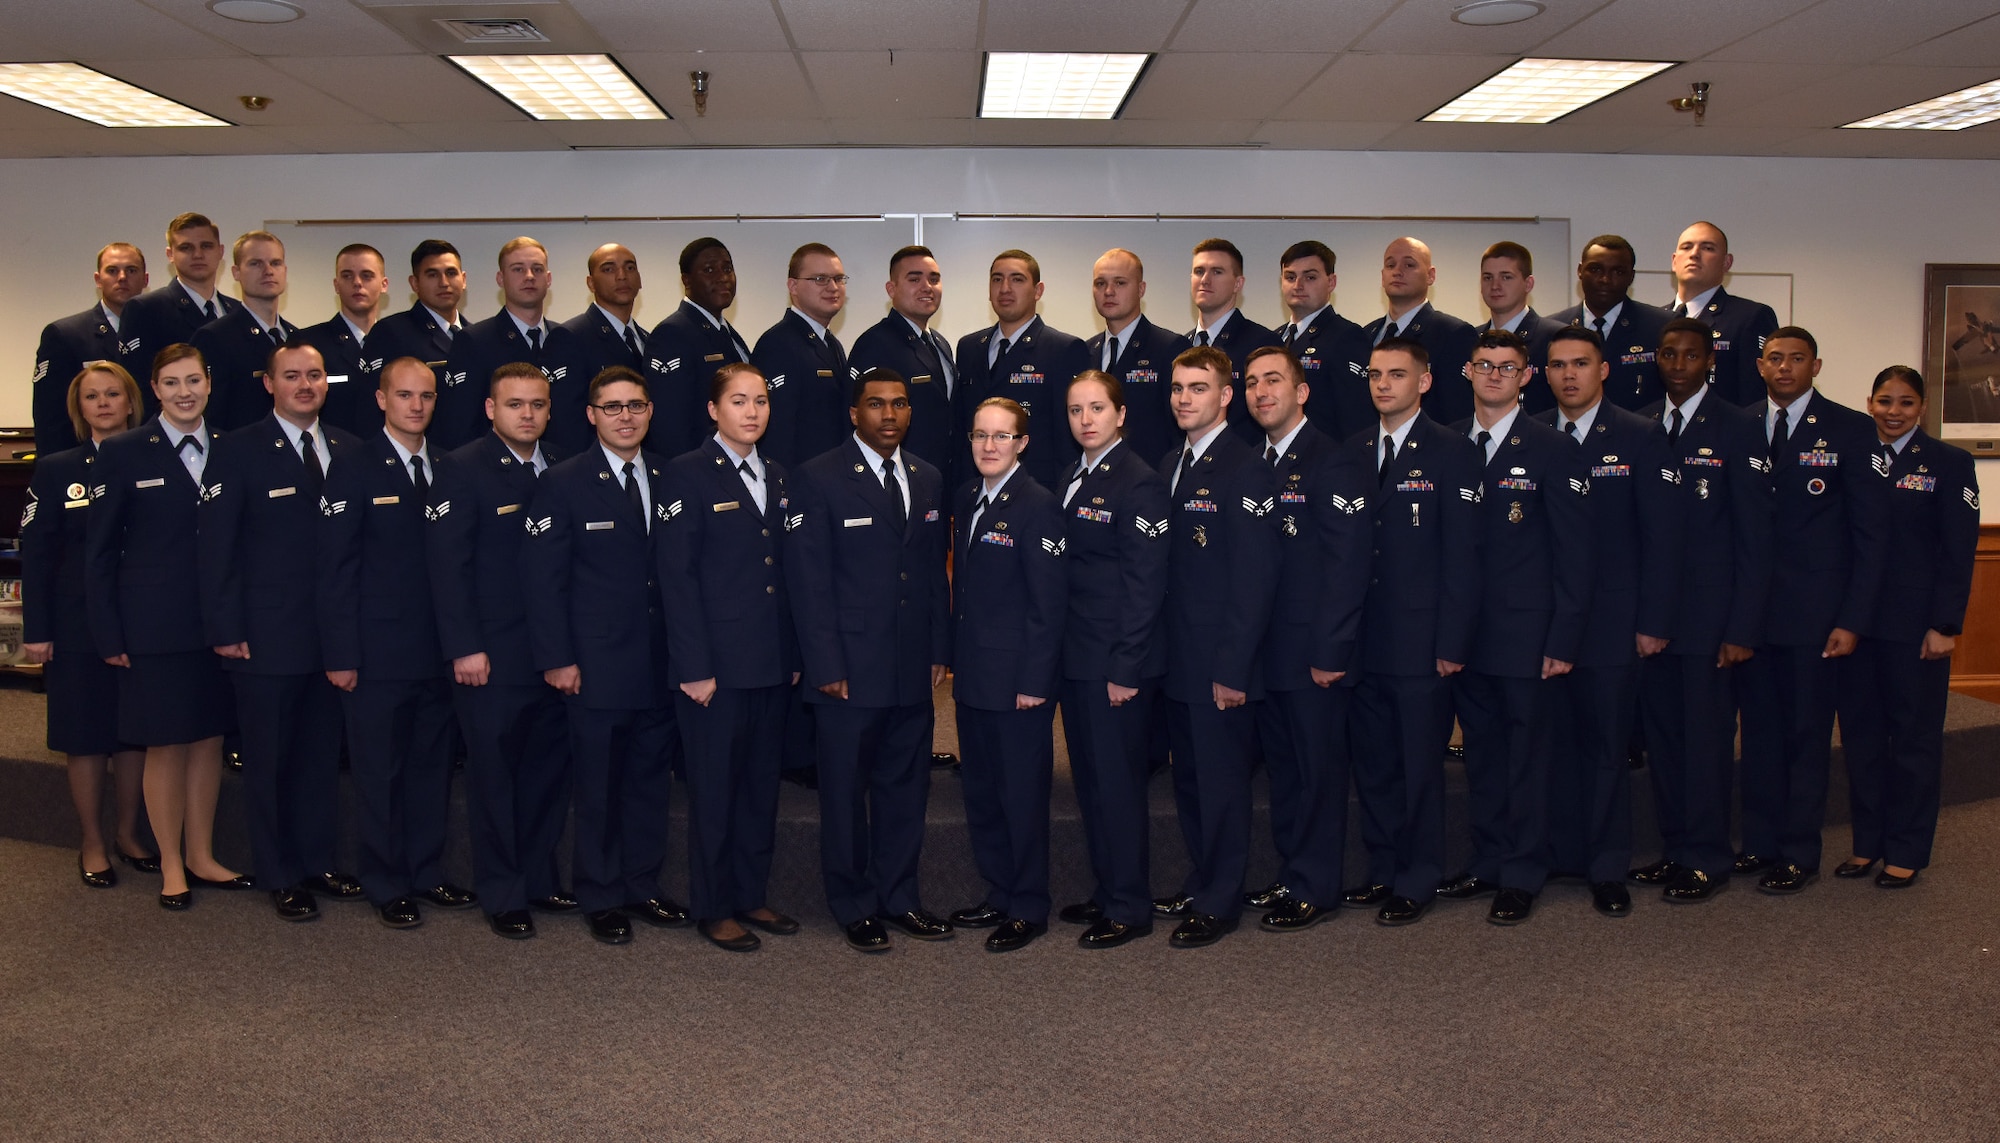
[{"x": 1845, "y": 1013}]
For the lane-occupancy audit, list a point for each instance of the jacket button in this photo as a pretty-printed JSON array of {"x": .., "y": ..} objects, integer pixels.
[
  {"x": 767, "y": 561},
  {"x": 764, "y": 531},
  {"x": 770, "y": 591},
  {"x": 905, "y": 575}
]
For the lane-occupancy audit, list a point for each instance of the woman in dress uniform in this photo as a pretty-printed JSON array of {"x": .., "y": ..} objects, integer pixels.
[
  {"x": 82, "y": 688},
  {"x": 139, "y": 568},
  {"x": 1895, "y": 682},
  {"x": 1009, "y": 594},
  {"x": 733, "y": 654}
]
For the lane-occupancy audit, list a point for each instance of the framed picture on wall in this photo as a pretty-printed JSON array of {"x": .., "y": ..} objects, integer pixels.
[{"x": 1962, "y": 354}]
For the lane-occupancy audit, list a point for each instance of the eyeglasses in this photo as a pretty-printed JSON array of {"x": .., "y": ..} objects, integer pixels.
[
  {"x": 823, "y": 279},
  {"x": 978, "y": 438},
  {"x": 614, "y": 408},
  {"x": 1507, "y": 369}
]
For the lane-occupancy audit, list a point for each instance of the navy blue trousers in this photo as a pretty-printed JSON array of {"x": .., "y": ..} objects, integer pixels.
[
  {"x": 291, "y": 774},
  {"x": 874, "y": 786},
  {"x": 1787, "y": 696},
  {"x": 1211, "y": 760},
  {"x": 1401, "y": 726},
  {"x": 621, "y": 766},
  {"x": 734, "y": 748},
  {"x": 1008, "y": 762},
  {"x": 1892, "y": 736},
  {"x": 398, "y": 748},
  {"x": 1590, "y": 773},
  {"x": 1690, "y": 741},
  {"x": 1110, "y": 762},
  {"x": 516, "y": 789},
  {"x": 1304, "y": 736},
  {"x": 1506, "y": 725}
]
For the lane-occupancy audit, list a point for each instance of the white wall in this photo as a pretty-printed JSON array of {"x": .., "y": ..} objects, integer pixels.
[{"x": 1853, "y": 235}]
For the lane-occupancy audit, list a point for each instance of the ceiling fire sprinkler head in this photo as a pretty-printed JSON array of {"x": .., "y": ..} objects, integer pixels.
[
  {"x": 698, "y": 80},
  {"x": 254, "y": 102},
  {"x": 1696, "y": 100}
]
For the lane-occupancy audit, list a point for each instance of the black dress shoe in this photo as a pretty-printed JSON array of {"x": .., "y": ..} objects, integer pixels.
[
  {"x": 294, "y": 905},
  {"x": 980, "y": 916},
  {"x": 449, "y": 896},
  {"x": 1365, "y": 896},
  {"x": 1854, "y": 869},
  {"x": 778, "y": 924},
  {"x": 1014, "y": 933},
  {"x": 514, "y": 924},
  {"x": 139, "y": 864},
  {"x": 177, "y": 902},
  {"x": 335, "y": 885},
  {"x": 1401, "y": 911},
  {"x": 1292, "y": 915},
  {"x": 104, "y": 878},
  {"x": 234, "y": 760},
  {"x": 1611, "y": 898},
  {"x": 867, "y": 935},
  {"x": 1267, "y": 897},
  {"x": 661, "y": 912},
  {"x": 1172, "y": 906},
  {"x": 1693, "y": 885},
  {"x": 921, "y": 925},
  {"x": 1786, "y": 879},
  {"x": 610, "y": 927},
  {"x": 1105, "y": 933},
  {"x": 1198, "y": 930},
  {"x": 942, "y": 761},
  {"x": 1455, "y": 752},
  {"x": 1888, "y": 880},
  {"x": 1511, "y": 907},
  {"x": 234, "y": 884},
  {"x": 401, "y": 914},
  {"x": 1660, "y": 872},
  {"x": 1082, "y": 913},
  {"x": 554, "y": 903},
  {"x": 1747, "y": 863},
  {"x": 1465, "y": 887},
  {"x": 745, "y": 941}
]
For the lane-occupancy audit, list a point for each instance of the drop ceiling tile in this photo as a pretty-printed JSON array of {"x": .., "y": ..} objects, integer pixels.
[
  {"x": 80, "y": 141},
  {"x": 1719, "y": 139},
  {"x": 215, "y": 89},
  {"x": 1185, "y": 132},
  {"x": 1067, "y": 26},
  {"x": 742, "y": 85},
  {"x": 903, "y": 132},
  {"x": 1858, "y": 94},
  {"x": 1856, "y": 31},
  {"x": 1194, "y": 86},
  {"x": 684, "y": 25},
  {"x": 724, "y": 132},
  {"x": 329, "y": 27},
  {"x": 617, "y": 133},
  {"x": 1278, "y": 25},
  {"x": 347, "y": 138},
  {"x": 399, "y": 89},
  {"x": 919, "y": 85},
  {"x": 1043, "y": 132},
  {"x": 1735, "y": 91},
  {"x": 1425, "y": 27},
  {"x": 1307, "y": 135},
  {"x": 1635, "y": 29},
  {"x": 1368, "y": 87},
  {"x": 856, "y": 25},
  {"x": 1977, "y": 45},
  {"x": 1974, "y": 143},
  {"x": 523, "y": 134},
  {"x": 101, "y": 29}
]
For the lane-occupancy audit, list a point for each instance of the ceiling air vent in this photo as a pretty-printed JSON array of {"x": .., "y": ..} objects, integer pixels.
[{"x": 495, "y": 31}]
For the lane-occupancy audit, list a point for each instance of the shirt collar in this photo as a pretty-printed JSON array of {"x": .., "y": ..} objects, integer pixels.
[
  {"x": 1610, "y": 316},
  {"x": 756, "y": 461},
  {"x": 438, "y": 318},
  {"x": 1899, "y": 442},
  {"x": 1582, "y": 420},
  {"x": 617, "y": 327},
  {"x": 1215, "y": 327},
  {"x": 874, "y": 459},
  {"x": 1090, "y": 462},
  {"x": 110, "y": 318},
  {"x": 404, "y": 454},
  {"x": 1200, "y": 446},
  {"x": 1499, "y": 428},
  {"x": 1513, "y": 324},
  {"x": 174, "y": 435},
  {"x": 714, "y": 322},
  {"x": 198, "y": 299},
  {"x": 292, "y": 431},
  {"x": 617, "y": 462},
  {"x": 1687, "y": 410},
  {"x": 1299, "y": 325},
  {"x": 920, "y": 331},
  {"x": 1792, "y": 410},
  {"x": 1284, "y": 444},
  {"x": 818, "y": 329},
  {"x": 360, "y": 335},
  {"x": 992, "y": 491},
  {"x": 1401, "y": 434},
  {"x": 1700, "y": 301},
  {"x": 541, "y": 327},
  {"x": 1403, "y": 319}
]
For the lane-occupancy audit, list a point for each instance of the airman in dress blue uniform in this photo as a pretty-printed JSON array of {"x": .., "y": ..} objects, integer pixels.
[
  {"x": 347, "y": 343},
  {"x": 805, "y": 361},
  {"x": 1135, "y": 351},
  {"x": 1737, "y": 326},
  {"x": 693, "y": 342},
  {"x": 521, "y": 331},
  {"x": 904, "y": 343},
  {"x": 1025, "y": 360},
  {"x": 1407, "y": 277},
  {"x": 1215, "y": 284},
  {"x": 93, "y": 335},
  {"x": 1629, "y": 330}
]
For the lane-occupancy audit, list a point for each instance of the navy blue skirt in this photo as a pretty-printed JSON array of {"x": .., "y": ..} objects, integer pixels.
[
  {"x": 169, "y": 700},
  {"x": 83, "y": 701}
]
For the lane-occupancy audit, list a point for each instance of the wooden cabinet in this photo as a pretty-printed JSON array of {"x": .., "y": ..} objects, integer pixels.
[{"x": 1975, "y": 665}]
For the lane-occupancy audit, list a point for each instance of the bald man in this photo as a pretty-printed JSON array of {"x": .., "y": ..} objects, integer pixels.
[
  {"x": 606, "y": 329},
  {"x": 1407, "y": 277},
  {"x": 1701, "y": 261},
  {"x": 1134, "y": 350}
]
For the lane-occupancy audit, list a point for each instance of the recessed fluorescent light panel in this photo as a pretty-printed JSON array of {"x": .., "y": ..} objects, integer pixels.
[
  {"x": 563, "y": 87},
  {"x": 1954, "y": 112},
  {"x": 1058, "y": 85},
  {"x": 1542, "y": 90},
  {"x": 74, "y": 89}
]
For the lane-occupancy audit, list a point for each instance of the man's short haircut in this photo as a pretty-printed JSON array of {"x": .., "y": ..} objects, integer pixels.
[
  {"x": 1114, "y": 389},
  {"x": 897, "y": 258},
  {"x": 430, "y": 248},
  {"x": 800, "y": 255},
  {"x": 516, "y": 371},
  {"x": 1138, "y": 265},
  {"x": 190, "y": 220},
  {"x": 1221, "y": 246},
  {"x": 249, "y": 236},
  {"x": 719, "y": 384},
  {"x": 612, "y": 375},
  {"x": 1210, "y": 358},
  {"x": 1794, "y": 333},
  {"x": 1009, "y": 406},
  {"x": 1503, "y": 339},
  {"x": 1513, "y": 251},
  {"x": 1613, "y": 242},
  {"x": 1903, "y": 373},
  {"x": 392, "y": 365},
  {"x": 110, "y": 246},
  {"x": 878, "y": 373},
  {"x": 178, "y": 351},
  {"x": 1688, "y": 325},
  {"x": 522, "y": 242},
  {"x": 361, "y": 248},
  {"x": 696, "y": 249},
  {"x": 1034, "y": 267},
  {"x": 1310, "y": 248},
  {"x": 286, "y": 346},
  {"x": 1293, "y": 367},
  {"x": 1720, "y": 234},
  {"x": 133, "y": 409},
  {"x": 1581, "y": 333},
  {"x": 1415, "y": 349}
]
